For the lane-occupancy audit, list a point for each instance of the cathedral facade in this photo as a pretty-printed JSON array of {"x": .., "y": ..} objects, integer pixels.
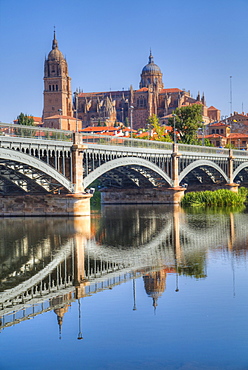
[{"x": 112, "y": 107}]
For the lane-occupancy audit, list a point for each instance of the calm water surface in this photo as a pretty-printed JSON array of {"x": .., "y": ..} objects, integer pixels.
[{"x": 131, "y": 287}]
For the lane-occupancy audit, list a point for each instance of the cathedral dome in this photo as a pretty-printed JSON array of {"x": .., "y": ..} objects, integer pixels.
[
  {"x": 151, "y": 66},
  {"x": 55, "y": 53}
]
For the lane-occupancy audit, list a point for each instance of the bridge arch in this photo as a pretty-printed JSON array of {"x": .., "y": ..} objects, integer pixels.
[
  {"x": 126, "y": 161},
  {"x": 35, "y": 163},
  {"x": 202, "y": 162},
  {"x": 240, "y": 168}
]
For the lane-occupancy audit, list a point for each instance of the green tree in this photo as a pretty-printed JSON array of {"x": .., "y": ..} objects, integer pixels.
[
  {"x": 24, "y": 119},
  {"x": 153, "y": 122},
  {"x": 187, "y": 121},
  {"x": 206, "y": 142}
]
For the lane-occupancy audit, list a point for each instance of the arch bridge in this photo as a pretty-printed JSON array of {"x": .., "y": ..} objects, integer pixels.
[{"x": 44, "y": 160}]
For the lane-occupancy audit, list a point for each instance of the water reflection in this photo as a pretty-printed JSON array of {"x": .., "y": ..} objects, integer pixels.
[{"x": 46, "y": 264}]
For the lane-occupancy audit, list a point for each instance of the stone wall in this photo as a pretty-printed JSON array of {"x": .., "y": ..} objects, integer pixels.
[
  {"x": 45, "y": 205},
  {"x": 142, "y": 196}
]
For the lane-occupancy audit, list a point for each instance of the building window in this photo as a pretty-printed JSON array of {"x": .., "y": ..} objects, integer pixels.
[
  {"x": 221, "y": 131},
  {"x": 50, "y": 87},
  {"x": 141, "y": 102},
  {"x": 57, "y": 87},
  {"x": 217, "y": 143},
  {"x": 217, "y": 131},
  {"x": 213, "y": 131}
]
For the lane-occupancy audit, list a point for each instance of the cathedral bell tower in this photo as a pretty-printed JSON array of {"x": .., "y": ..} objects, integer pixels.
[{"x": 57, "y": 84}]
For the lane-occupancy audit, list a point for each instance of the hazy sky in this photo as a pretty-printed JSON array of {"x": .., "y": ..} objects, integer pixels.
[{"x": 197, "y": 44}]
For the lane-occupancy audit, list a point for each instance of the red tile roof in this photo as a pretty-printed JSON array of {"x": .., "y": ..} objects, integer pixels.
[
  {"x": 142, "y": 89},
  {"x": 212, "y": 108},
  {"x": 172, "y": 90},
  {"x": 214, "y": 136},
  {"x": 218, "y": 124},
  {"x": 100, "y": 129},
  {"x": 236, "y": 135},
  {"x": 81, "y": 95},
  {"x": 59, "y": 116},
  {"x": 238, "y": 115}
]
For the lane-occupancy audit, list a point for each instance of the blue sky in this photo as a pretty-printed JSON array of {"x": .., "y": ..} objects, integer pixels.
[{"x": 198, "y": 46}]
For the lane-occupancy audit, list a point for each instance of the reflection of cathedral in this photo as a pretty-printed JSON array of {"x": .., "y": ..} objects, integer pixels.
[
  {"x": 96, "y": 108},
  {"x": 155, "y": 284}
]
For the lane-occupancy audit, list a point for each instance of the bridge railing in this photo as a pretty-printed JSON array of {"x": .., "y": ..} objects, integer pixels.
[
  {"x": 12, "y": 130},
  {"x": 34, "y": 132},
  {"x": 202, "y": 149},
  {"x": 125, "y": 141}
]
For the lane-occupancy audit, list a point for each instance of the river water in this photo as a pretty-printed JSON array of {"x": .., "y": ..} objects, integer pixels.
[{"x": 131, "y": 287}]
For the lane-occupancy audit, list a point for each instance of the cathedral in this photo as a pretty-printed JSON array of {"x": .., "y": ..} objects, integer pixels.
[{"x": 112, "y": 107}]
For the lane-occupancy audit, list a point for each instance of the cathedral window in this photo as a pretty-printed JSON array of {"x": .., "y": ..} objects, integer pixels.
[{"x": 141, "y": 102}]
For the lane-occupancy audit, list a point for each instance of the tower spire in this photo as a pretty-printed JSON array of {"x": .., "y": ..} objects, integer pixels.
[
  {"x": 151, "y": 60},
  {"x": 55, "y": 42}
]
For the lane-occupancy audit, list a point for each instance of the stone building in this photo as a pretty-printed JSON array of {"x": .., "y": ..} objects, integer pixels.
[
  {"x": 235, "y": 133},
  {"x": 138, "y": 105},
  {"x": 238, "y": 122},
  {"x": 131, "y": 107}
]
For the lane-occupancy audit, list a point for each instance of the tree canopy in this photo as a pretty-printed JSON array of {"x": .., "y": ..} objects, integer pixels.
[
  {"x": 24, "y": 119},
  {"x": 153, "y": 122},
  {"x": 188, "y": 120}
]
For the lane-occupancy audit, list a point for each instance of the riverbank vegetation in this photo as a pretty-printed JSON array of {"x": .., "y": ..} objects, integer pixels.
[{"x": 217, "y": 198}]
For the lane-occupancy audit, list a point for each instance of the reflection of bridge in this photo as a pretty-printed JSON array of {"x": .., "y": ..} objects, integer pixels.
[
  {"x": 47, "y": 273},
  {"x": 44, "y": 166}
]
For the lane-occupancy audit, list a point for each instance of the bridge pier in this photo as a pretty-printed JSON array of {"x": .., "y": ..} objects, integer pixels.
[
  {"x": 231, "y": 185},
  {"x": 45, "y": 205},
  {"x": 143, "y": 196}
]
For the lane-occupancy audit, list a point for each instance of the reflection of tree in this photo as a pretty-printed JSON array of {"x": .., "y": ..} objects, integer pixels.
[{"x": 194, "y": 265}]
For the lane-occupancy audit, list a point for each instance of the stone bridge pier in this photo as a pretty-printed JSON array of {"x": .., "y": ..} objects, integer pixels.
[{"x": 157, "y": 195}]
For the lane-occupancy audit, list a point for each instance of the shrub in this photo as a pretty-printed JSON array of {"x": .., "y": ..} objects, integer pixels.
[{"x": 219, "y": 198}]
